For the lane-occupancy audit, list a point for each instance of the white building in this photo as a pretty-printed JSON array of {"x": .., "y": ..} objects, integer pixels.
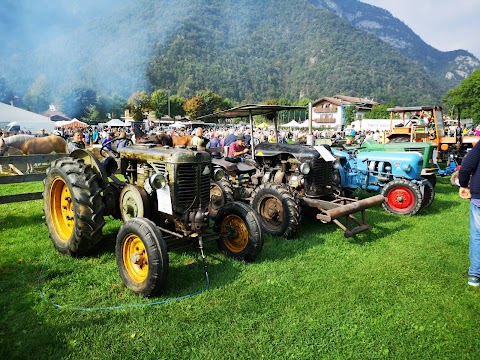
[{"x": 330, "y": 111}]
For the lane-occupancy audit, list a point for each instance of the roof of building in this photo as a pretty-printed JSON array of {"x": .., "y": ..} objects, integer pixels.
[{"x": 9, "y": 113}]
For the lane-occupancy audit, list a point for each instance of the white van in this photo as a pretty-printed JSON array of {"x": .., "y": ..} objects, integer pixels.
[{"x": 33, "y": 127}]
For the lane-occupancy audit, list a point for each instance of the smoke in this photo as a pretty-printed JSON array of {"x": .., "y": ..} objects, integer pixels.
[{"x": 102, "y": 44}]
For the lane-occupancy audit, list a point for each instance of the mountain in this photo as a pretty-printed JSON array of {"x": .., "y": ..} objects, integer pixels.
[
  {"x": 245, "y": 50},
  {"x": 448, "y": 68}
]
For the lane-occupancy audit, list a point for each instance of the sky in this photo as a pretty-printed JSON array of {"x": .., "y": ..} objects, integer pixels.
[{"x": 444, "y": 24}]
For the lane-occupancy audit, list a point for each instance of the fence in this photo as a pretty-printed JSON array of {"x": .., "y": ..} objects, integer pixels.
[{"x": 16, "y": 160}]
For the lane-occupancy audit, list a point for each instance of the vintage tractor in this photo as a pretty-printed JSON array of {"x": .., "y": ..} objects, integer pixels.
[
  {"x": 428, "y": 150},
  {"x": 164, "y": 203},
  {"x": 397, "y": 176},
  {"x": 426, "y": 124},
  {"x": 282, "y": 178},
  {"x": 286, "y": 177}
]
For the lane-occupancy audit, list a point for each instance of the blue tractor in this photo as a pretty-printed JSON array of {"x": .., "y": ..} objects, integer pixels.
[{"x": 395, "y": 175}]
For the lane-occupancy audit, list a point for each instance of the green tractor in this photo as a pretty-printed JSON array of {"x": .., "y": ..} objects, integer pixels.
[{"x": 163, "y": 200}]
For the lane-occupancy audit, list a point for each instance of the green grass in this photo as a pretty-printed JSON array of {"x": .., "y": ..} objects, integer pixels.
[{"x": 398, "y": 291}]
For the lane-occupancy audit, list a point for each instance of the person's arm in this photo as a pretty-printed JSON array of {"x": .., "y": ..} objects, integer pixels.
[{"x": 469, "y": 165}]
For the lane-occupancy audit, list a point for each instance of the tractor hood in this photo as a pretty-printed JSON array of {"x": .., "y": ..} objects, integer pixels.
[
  {"x": 300, "y": 152},
  {"x": 166, "y": 154}
]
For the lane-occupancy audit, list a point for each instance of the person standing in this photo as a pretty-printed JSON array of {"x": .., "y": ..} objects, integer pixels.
[
  {"x": 77, "y": 141},
  {"x": 470, "y": 171}
]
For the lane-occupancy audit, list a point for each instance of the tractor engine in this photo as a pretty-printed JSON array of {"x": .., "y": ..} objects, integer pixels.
[
  {"x": 306, "y": 171},
  {"x": 170, "y": 186}
]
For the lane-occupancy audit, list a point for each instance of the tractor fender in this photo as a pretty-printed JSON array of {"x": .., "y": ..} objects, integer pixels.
[{"x": 100, "y": 168}]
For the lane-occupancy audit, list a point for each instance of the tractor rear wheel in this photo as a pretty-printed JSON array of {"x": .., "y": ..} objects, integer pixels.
[
  {"x": 241, "y": 233},
  {"x": 221, "y": 193},
  {"x": 278, "y": 211},
  {"x": 73, "y": 206},
  {"x": 402, "y": 197},
  {"x": 142, "y": 256},
  {"x": 428, "y": 195}
]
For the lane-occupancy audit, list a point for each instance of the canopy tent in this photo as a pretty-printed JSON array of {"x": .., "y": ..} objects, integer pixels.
[
  {"x": 250, "y": 110},
  {"x": 74, "y": 123},
  {"x": 115, "y": 123},
  {"x": 263, "y": 125},
  {"x": 292, "y": 123},
  {"x": 305, "y": 124}
]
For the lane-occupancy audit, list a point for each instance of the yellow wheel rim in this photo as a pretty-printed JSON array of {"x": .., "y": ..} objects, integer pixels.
[
  {"x": 238, "y": 242},
  {"x": 61, "y": 208},
  {"x": 135, "y": 258}
]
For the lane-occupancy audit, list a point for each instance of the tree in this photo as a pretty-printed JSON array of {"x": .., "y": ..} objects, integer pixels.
[
  {"x": 212, "y": 102},
  {"x": 76, "y": 101},
  {"x": 176, "y": 105},
  {"x": 92, "y": 114},
  {"x": 6, "y": 95},
  {"x": 139, "y": 103},
  {"x": 159, "y": 102},
  {"x": 379, "y": 112},
  {"x": 466, "y": 97},
  {"x": 37, "y": 97},
  {"x": 193, "y": 107},
  {"x": 112, "y": 106}
]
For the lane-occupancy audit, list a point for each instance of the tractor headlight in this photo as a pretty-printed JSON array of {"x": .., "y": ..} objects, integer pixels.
[
  {"x": 206, "y": 171},
  {"x": 336, "y": 164},
  {"x": 305, "y": 168},
  {"x": 158, "y": 181},
  {"x": 218, "y": 174}
]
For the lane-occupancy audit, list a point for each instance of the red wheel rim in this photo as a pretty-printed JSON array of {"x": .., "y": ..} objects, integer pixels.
[{"x": 401, "y": 199}]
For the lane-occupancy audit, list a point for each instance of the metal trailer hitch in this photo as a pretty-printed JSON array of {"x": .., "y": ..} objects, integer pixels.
[{"x": 332, "y": 211}]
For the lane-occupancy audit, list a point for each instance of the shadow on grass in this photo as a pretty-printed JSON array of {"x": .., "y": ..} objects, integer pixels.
[
  {"x": 21, "y": 304},
  {"x": 18, "y": 220}
]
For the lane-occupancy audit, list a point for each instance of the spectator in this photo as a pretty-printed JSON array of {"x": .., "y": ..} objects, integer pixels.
[
  {"x": 95, "y": 136},
  {"x": 107, "y": 142},
  {"x": 468, "y": 172},
  {"x": 214, "y": 142},
  {"x": 77, "y": 141},
  {"x": 237, "y": 149},
  {"x": 230, "y": 138},
  {"x": 198, "y": 140},
  {"x": 123, "y": 141}
]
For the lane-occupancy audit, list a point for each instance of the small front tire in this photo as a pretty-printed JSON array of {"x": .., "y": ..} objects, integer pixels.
[
  {"x": 402, "y": 197},
  {"x": 142, "y": 256}
]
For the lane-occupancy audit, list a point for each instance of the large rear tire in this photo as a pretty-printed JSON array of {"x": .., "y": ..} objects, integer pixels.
[
  {"x": 73, "y": 206},
  {"x": 142, "y": 256},
  {"x": 402, "y": 197},
  {"x": 278, "y": 211},
  {"x": 241, "y": 234}
]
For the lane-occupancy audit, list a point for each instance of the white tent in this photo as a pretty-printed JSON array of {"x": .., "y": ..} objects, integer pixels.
[
  {"x": 292, "y": 123},
  {"x": 305, "y": 124},
  {"x": 115, "y": 123},
  {"x": 74, "y": 123}
]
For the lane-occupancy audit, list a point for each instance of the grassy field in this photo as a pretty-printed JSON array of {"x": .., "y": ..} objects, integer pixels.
[{"x": 398, "y": 291}]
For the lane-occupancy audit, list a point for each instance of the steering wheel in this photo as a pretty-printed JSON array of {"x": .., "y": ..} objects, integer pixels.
[{"x": 107, "y": 147}]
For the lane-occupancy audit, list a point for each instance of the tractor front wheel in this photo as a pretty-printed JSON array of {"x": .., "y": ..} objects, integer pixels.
[
  {"x": 241, "y": 233},
  {"x": 402, "y": 197},
  {"x": 142, "y": 256}
]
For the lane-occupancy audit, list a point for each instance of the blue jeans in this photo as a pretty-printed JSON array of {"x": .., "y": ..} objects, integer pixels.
[{"x": 474, "y": 269}]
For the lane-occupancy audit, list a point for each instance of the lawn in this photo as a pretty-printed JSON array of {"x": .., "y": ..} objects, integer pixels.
[{"x": 398, "y": 291}]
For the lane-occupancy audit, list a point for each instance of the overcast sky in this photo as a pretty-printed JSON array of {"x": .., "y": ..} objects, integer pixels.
[{"x": 444, "y": 24}]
